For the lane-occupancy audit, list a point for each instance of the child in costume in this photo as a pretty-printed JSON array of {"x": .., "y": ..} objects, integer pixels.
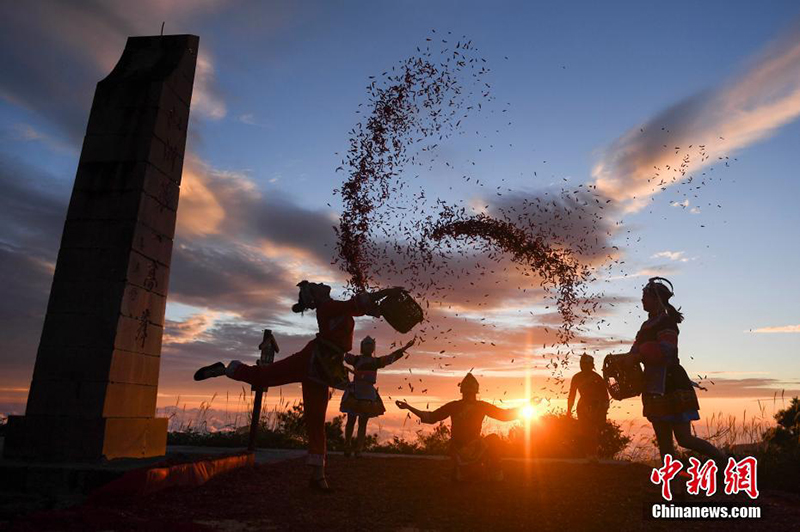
[
  {"x": 467, "y": 447},
  {"x": 592, "y": 405},
  {"x": 317, "y": 366},
  {"x": 361, "y": 400}
]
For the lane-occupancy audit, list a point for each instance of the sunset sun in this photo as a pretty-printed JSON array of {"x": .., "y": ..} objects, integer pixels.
[{"x": 529, "y": 412}]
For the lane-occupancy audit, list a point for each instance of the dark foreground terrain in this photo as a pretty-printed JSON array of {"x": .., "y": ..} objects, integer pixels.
[{"x": 405, "y": 493}]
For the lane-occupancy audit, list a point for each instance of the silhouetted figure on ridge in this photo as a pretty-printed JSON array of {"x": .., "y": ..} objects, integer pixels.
[
  {"x": 669, "y": 399},
  {"x": 592, "y": 405},
  {"x": 361, "y": 399},
  {"x": 467, "y": 447}
]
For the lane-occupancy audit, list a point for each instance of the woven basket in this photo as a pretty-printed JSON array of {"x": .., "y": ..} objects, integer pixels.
[
  {"x": 622, "y": 380},
  {"x": 401, "y": 311}
]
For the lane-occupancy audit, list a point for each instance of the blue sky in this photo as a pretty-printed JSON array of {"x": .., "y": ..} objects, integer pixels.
[{"x": 279, "y": 88}]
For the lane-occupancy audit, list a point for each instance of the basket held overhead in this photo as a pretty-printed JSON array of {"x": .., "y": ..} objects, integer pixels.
[
  {"x": 622, "y": 380},
  {"x": 401, "y": 311}
]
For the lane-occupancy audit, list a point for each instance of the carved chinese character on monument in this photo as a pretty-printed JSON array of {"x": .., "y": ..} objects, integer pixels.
[{"x": 95, "y": 382}]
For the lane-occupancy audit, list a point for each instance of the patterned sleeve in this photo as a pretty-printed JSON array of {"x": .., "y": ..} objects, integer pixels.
[
  {"x": 391, "y": 358},
  {"x": 664, "y": 349}
]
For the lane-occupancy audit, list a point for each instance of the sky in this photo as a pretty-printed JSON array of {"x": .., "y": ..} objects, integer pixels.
[{"x": 600, "y": 94}]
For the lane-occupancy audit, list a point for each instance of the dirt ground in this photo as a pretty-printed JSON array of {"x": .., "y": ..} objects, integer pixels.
[{"x": 406, "y": 494}]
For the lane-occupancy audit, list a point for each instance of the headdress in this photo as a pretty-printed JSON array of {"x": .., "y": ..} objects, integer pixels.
[{"x": 469, "y": 384}]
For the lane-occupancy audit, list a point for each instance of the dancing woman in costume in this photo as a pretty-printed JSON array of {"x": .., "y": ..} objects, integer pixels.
[
  {"x": 317, "y": 366},
  {"x": 669, "y": 399},
  {"x": 361, "y": 400}
]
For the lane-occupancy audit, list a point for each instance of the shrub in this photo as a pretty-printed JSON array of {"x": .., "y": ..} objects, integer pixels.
[
  {"x": 560, "y": 436},
  {"x": 779, "y": 459}
]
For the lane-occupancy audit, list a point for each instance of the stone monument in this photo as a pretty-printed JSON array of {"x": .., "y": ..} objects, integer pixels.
[{"x": 95, "y": 382}]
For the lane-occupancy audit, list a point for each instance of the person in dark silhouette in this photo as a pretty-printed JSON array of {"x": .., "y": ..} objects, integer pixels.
[
  {"x": 592, "y": 405},
  {"x": 361, "y": 399},
  {"x": 318, "y": 366},
  {"x": 669, "y": 399},
  {"x": 467, "y": 447}
]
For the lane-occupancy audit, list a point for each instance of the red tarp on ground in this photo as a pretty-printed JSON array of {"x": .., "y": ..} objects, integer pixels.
[{"x": 165, "y": 475}]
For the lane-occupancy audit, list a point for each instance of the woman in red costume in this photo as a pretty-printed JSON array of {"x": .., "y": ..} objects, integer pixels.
[{"x": 317, "y": 366}]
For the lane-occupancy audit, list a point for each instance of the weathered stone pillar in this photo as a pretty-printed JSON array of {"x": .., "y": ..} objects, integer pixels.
[{"x": 95, "y": 381}]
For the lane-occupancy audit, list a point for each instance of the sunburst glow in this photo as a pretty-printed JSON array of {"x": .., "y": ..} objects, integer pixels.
[{"x": 529, "y": 412}]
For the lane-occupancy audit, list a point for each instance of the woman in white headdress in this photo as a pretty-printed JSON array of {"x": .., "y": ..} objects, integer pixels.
[{"x": 361, "y": 399}]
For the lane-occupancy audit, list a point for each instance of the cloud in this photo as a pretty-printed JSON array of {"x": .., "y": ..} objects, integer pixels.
[
  {"x": 189, "y": 330},
  {"x": 32, "y": 210},
  {"x": 206, "y": 97},
  {"x": 27, "y": 133},
  {"x": 228, "y": 277},
  {"x": 250, "y": 120},
  {"x": 705, "y": 128},
  {"x": 79, "y": 43},
  {"x": 757, "y": 387},
  {"x": 671, "y": 255},
  {"x": 224, "y": 202},
  {"x": 33, "y": 206},
  {"x": 200, "y": 212},
  {"x": 580, "y": 219},
  {"x": 780, "y": 329}
]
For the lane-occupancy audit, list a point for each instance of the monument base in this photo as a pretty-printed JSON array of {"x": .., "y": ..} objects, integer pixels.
[{"x": 61, "y": 438}]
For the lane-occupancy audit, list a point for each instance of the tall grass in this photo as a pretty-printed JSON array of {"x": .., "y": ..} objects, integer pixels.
[
  {"x": 235, "y": 416},
  {"x": 732, "y": 433},
  {"x": 727, "y": 431}
]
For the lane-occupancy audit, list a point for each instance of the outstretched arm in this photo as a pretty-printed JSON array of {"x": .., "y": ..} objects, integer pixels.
[
  {"x": 394, "y": 356},
  {"x": 440, "y": 414},
  {"x": 571, "y": 399},
  {"x": 502, "y": 414}
]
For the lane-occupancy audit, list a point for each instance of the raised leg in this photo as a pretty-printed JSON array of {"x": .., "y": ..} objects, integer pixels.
[
  {"x": 291, "y": 369},
  {"x": 683, "y": 433}
]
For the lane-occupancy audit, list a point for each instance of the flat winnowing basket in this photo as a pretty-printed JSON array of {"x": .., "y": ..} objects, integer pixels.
[
  {"x": 401, "y": 311},
  {"x": 622, "y": 380}
]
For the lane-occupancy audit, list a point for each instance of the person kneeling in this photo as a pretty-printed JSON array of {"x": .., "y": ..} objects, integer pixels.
[{"x": 471, "y": 452}]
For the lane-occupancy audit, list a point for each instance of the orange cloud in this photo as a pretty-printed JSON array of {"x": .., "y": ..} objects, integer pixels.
[
  {"x": 188, "y": 330},
  {"x": 704, "y": 129},
  {"x": 200, "y": 212},
  {"x": 781, "y": 329}
]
